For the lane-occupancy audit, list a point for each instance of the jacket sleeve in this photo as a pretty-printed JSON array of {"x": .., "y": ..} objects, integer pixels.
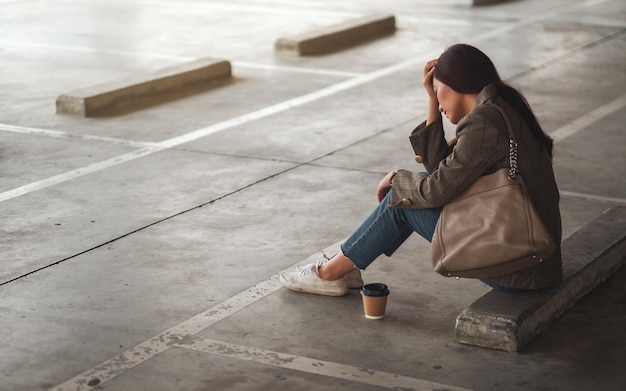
[
  {"x": 481, "y": 148},
  {"x": 429, "y": 144}
]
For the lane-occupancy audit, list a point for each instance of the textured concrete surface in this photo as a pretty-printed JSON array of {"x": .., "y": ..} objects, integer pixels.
[{"x": 141, "y": 250}]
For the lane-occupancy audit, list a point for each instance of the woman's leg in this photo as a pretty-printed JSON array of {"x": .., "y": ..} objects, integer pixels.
[{"x": 381, "y": 233}]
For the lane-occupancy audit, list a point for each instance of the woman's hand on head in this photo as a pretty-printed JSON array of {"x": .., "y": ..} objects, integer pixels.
[
  {"x": 433, "y": 102},
  {"x": 429, "y": 70}
]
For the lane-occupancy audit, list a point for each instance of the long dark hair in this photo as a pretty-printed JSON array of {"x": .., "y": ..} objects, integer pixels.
[{"x": 467, "y": 70}]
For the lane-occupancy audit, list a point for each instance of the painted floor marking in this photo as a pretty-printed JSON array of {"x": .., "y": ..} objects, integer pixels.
[
  {"x": 203, "y": 132},
  {"x": 71, "y": 136},
  {"x": 593, "y": 197},
  {"x": 292, "y": 103},
  {"x": 560, "y": 134},
  {"x": 161, "y": 56},
  {"x": 183, "y": 335},
  {"x": 172, "y": 336},
  {"x": 588, "y": 119},
  {"x": 314, "y": 366},
  {"x": 283, "y": 68},
  {"x": 582, "y": 123},
  {"x": 295, "y": 102},
  {"x": 73, "y": 174}
]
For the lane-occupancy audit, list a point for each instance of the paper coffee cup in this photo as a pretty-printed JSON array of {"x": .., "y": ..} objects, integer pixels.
[{"x": 374, "y": 300}]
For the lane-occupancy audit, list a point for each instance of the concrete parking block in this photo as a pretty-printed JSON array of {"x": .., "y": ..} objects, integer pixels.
[
  {"x": 145, "y": 88},
  {"x": 337, "y": 37},
  {"x": 507, "y": 321}
]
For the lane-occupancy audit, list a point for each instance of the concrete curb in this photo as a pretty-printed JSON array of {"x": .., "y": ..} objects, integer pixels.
[
  {"x": 126, "y": 92},
  {"x": 508, "y": 322},
  {"x": 337, "y": 37}
]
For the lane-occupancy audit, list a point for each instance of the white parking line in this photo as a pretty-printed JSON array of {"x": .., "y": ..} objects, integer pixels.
[
  {"x": 178, "y": 333},
  {"x": 282, "y": 68},
  {"x": 71, "y": 136},
  {"x": 295, "y": 102},
  {"x": 69, "y": 175},
  {"x": 559, "y": 135},
  {"x": 169, "y": 57},
  {"x": 314, "y": 366},
  {"x": 203, "y": 132},
  {"x": 593, "y": 197},
  {"x": 162, "y": 341},
  {"x": 184, "y": 335},
  {"x": 588, "y": 119}
]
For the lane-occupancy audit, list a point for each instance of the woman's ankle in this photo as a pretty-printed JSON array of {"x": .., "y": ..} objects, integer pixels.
[{"x": 335, "y": 268}]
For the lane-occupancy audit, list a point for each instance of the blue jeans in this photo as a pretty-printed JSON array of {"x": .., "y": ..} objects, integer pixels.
[{"x": 387, "y": 228}]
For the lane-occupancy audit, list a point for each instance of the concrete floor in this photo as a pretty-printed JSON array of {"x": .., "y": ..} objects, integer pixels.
[{"x": 130, "y": 266}]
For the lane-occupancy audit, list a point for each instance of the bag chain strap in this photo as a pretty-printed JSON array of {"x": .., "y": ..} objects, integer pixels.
[{"x": 513, "y": 168}]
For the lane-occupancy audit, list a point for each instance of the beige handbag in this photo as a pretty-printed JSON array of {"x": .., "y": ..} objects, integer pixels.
[{"x": 492, "y": 228}]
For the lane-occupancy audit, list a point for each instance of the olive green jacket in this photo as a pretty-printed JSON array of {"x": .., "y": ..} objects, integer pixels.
[{"x": 482, "y": 148}]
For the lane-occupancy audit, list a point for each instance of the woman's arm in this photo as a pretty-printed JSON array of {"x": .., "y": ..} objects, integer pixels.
[
  {"x": 429, "y": 144},
  {"x": 482, "y": 146},
  {"x": 433, "y": 104},
  {"x": 433, "y": 139}
]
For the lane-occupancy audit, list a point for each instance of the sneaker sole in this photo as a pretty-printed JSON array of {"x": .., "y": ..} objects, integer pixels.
[
  {"x": 353, "y": 279},
  {"x": 324, "y": 292}
]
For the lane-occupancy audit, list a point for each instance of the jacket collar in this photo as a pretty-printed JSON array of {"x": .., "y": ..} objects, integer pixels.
[{"x": 488, "y": 92}]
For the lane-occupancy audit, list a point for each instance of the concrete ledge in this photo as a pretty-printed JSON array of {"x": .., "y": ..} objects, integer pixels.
[
  {"x": 126, "y": 92},
  {"x": 337, "y": 37},
  {"x": 508, "y": 322}
]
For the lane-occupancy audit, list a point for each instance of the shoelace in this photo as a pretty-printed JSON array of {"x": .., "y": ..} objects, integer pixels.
[{"x": 305, "y": 271}]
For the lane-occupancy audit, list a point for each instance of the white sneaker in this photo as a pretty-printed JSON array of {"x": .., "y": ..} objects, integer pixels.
[
  {"x": 353, "y": 279},
  {"x": 307, "y": 280}
]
